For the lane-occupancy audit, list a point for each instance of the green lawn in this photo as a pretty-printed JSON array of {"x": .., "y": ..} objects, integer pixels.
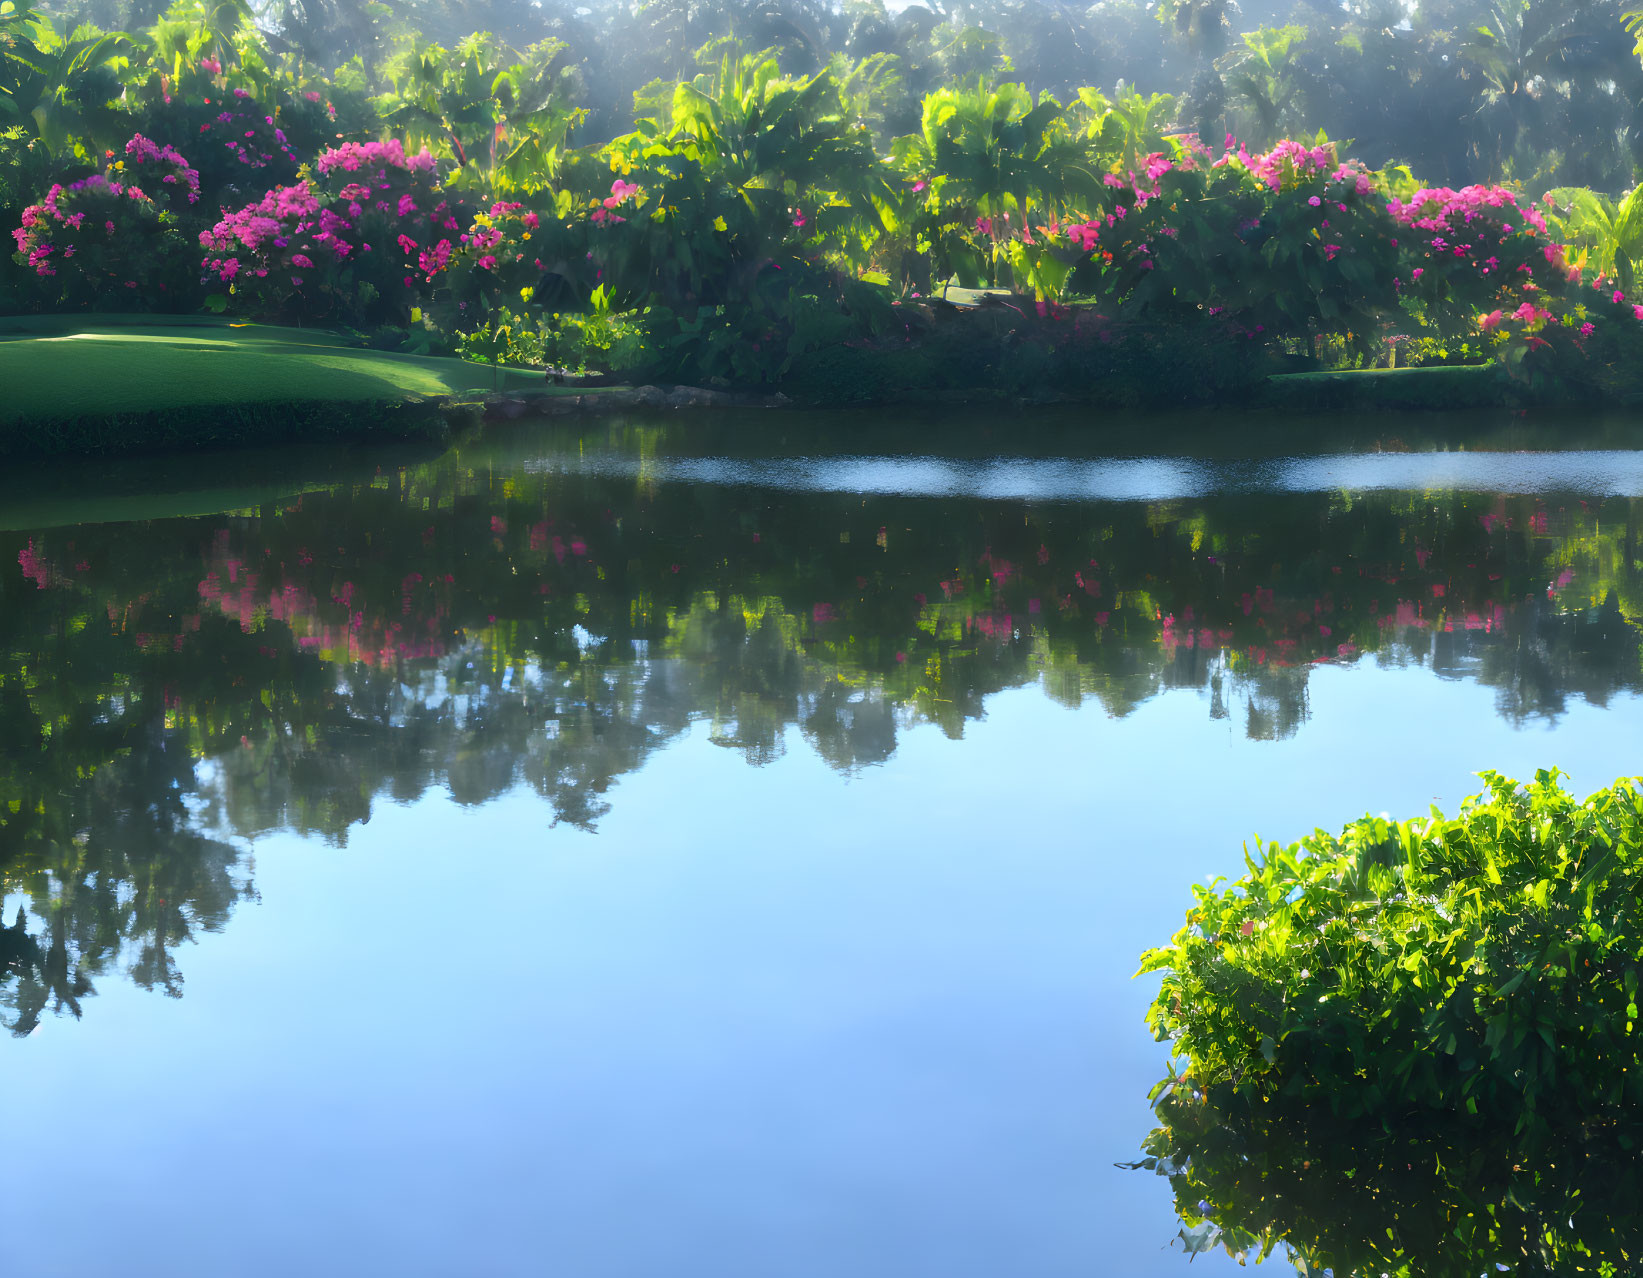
[{"x": 61, "y": 370}]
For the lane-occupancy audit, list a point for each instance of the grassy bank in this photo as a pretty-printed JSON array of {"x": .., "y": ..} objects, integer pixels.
[
  {"x": 113, "y": 386},
  {"x": 1435, "y": 389},
  {"x": 109, "y": 387}
]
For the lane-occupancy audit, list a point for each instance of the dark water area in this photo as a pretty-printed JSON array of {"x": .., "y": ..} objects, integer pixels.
[{"x": 720, "y": 847}]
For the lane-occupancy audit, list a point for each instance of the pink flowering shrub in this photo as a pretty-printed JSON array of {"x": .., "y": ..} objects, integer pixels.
[
  {"x": 236, "y": 139},
  {"x": 106, "y": 242},
  {"x": 496, "y": 262},
  {"x": 1296, "y": 244},
  {"x": 1477, "y": 251},
  {"x": 605, "y": 214},
  {"x": 1293, "y": 241},
  {"x": 1290, "y": 165},
  {"x": 162, "y": 173},
  {"x": 1484, "y": 256},
  {"x": 1259, "y": 247},
  {"x": 362, "y": 242}
]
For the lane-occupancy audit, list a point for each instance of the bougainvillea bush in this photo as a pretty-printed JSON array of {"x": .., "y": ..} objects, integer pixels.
[
  {"x": 1293, "y": 245},
  {"x": 495, "y": 263},
  {"x": 1414, "y": 1047},
  {"x": 1290, "y": 242},
  {"x": 226, "y": 122},
  {"x": 1484, "y": 258},
  {"x": 1295, "y": 242},
  {"x": 115, "y": 240},
  {"x": 358, "y": 243}
]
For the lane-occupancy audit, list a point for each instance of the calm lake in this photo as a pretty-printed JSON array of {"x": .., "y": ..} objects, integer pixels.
[{"x": 720, "y": 847}]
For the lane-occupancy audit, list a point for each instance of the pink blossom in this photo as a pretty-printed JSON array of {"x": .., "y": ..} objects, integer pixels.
[
  {"x": 1291, "y": 163},
  {"x": 1084, "y": 234},
  {"x": 432, "y": 261},
  {"x": 353, "y": 156}
]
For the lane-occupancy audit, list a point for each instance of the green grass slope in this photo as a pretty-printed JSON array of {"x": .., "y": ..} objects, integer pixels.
[
  {"x": 105, "y": 370},
  {"x": 1459, "y": 386}
]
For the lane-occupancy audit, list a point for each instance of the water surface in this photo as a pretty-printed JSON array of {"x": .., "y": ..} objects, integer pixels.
[{"x": 719, "y": 848}]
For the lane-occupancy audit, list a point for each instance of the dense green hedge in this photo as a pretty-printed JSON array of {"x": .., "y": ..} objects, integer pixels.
[{"x": 1416, "y": 1047}]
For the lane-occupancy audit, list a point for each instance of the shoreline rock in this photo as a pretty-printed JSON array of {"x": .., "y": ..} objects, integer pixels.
[{"x": 512, "y": 405}]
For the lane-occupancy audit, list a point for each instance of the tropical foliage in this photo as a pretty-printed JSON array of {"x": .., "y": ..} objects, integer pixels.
[{"x": 807, "y": 189}]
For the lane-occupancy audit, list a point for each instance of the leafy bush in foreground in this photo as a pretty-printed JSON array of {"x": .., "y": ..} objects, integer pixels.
[{"x": 1416, "y": 1047}]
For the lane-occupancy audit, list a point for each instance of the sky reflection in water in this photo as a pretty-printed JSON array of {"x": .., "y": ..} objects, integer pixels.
[
  {"x": 508, "y": 961},
  {"x": 1596, "y": 473}
]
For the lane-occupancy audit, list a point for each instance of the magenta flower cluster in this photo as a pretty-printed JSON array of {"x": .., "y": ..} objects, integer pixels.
[
  {"x": 620, "y": 193},
  {"x": 1482, "y": 241},
  {"x": 163, "y": 170},
  {"x": 255, "y": 233},
  {"x": 351, "y": 157},
  {"x": 70, "y": 218},
  {"x": 1446, "y": 212},
  {"x": 294, "y": 241},
  {"x": 1289, "y": 165},
  {"x": 1488, "y": 247}
]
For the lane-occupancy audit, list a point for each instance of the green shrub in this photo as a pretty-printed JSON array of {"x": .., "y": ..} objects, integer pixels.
[
  {"x": 597, "y": 342},
  {"x": 1416, "y": 1047}
]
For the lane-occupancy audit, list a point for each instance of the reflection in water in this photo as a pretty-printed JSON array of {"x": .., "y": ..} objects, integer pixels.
[
  {"x": 485, "y": 621},
  {"x": 1405, "y": 1188},
  {"x": 1588, "y": 473}
]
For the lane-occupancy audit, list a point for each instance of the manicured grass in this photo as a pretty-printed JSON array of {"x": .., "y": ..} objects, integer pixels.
[
  {"x": 86, "y": 369},
  {"x": 1453, "y": 387}
]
